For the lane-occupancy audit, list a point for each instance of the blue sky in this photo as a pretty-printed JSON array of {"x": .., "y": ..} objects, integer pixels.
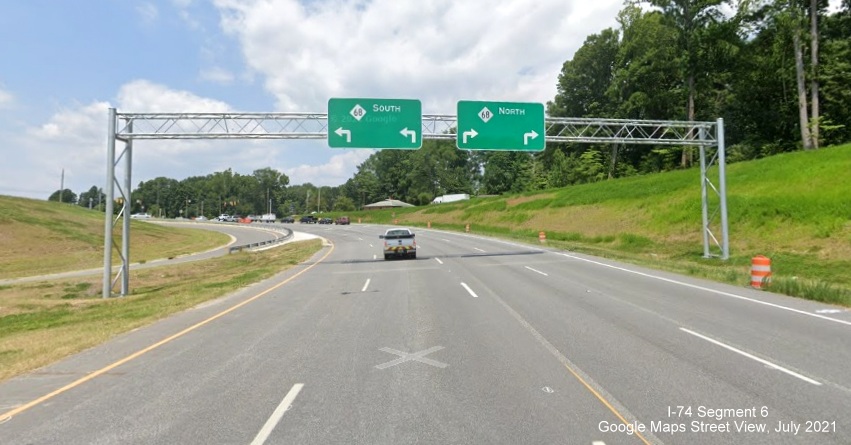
[{"x": 65, "y": 62}]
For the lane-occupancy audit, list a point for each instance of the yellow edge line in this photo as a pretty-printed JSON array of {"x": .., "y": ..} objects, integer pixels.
[
  {"x": 605, "y": 402},
  {"x": 9, "y": 414}
]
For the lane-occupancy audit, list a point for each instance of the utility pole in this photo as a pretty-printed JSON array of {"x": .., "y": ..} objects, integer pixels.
[
  {"x": 318, "y": 199},
  {"x": 61, "y": 185}
]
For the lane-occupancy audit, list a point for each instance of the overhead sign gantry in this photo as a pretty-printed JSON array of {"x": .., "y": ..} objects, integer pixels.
[{"x": 406, "y": 130}]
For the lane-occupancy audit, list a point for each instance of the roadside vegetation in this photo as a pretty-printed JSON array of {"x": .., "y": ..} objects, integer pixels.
[
  {"x": 45, "y": 237},
  {"x": 793, "y": 208},
  {"x": 45, "y": 321}
]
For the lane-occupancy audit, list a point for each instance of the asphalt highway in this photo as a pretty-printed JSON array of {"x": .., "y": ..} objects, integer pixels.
[{"x": 475, "y": 341}]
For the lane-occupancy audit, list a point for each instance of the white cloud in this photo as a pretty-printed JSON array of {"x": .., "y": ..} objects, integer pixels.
[
  {"x": 438, "y": 51},
  {"x": 74, "y": 139},
  {"x": 148, "y": 12},
  {"x": 217, "y": 75},
  {"x": 336, "y": 171},
  {"x": 145, "y": 96},
  {"x": 6, "y": 98}
]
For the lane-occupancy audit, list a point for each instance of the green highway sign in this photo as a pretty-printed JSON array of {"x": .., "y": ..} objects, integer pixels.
[
  {"x": 500, "y": 126},
  {"x": 375, "y": 123}
]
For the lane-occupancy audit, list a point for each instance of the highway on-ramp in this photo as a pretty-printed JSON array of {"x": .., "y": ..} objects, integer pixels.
[{"x": 475, "y": 341}]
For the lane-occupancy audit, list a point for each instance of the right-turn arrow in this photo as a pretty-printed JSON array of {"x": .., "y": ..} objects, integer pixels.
[
  {"x": 527, "y": 136},
  {"x": 471, "y": 134}
]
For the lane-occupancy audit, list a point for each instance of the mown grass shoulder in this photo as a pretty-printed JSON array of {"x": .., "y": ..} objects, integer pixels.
[{"x": 43, "y": 322}]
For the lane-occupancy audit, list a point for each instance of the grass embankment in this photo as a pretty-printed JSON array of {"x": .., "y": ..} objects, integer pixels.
[
  {"x": 794, "y": 208},
  {"x": 43, "y": 322},
  {"x": 41, "y": 237}
]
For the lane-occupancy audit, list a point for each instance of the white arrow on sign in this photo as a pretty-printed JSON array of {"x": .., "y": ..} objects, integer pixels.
[
  {"x": 413, "y": 134},
  {"x": 527, "y": 136},
  {"x": 341, "y": 132},
  {"x": 472, "y": 133}
]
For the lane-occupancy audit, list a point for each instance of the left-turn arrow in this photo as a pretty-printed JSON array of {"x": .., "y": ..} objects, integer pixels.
[
  {"x": 413, "y": 134},
  {"x": 340, "y": 131}
]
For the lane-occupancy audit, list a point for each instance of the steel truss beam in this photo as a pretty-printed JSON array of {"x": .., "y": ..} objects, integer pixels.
[
  {"x": 435, "y": 126},
  {"x": 127, "y": 127}
]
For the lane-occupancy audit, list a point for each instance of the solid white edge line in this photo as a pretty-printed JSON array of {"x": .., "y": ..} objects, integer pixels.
[
  {"x": 752, "y": 357},
  {"x": 438, "y": 260},
  {"x": 470, "y": 291},
  {"x": 480, "y": 250},
  {"x": 598, "y": 442},
  {"x": 365, "y": 285},
  {"x": 374, "y": 256},
  {"x": 536, "y": 270},
  {"x": 706, "y": 289},
  {"x": 270, "y": 424}
]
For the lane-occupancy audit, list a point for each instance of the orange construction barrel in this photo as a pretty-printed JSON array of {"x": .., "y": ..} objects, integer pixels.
[
  {"x": 760, "y": 271},
  {"x": 542, "y": 237},
  {"x": 429, "y": 224},
  {"x": 467, "y": 229}
]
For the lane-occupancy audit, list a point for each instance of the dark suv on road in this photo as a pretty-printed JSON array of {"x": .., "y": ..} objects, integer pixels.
[
  {"x": 288, "y": 219},
  {"x": 308, "y": 219}
]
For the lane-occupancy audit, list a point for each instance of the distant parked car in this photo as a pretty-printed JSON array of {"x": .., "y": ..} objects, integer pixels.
[
  {"x": 140, "y": 216},
  {"x": 288, "y": 219},
  {"x": 325, "y": 221},
  {"x": 343, "y": 220},
  {"x": 201, "y": 218},
  {"x": 307, "y": 219},
  {"x": 223, "y": 217}
]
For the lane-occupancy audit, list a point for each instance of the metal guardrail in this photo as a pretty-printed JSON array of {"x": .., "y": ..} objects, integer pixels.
[{"x": 288, "y": 236}]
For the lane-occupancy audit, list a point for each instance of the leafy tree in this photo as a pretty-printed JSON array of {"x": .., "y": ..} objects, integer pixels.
[
  {"x": 584, "y": 80},
  {"x": 835, "y": 76},
  {"x": 344, "y": 204},
  {"x": 66, "y": 194},
  {"x": 694, "y": 22},
  {"x": 506, "y": 171},
  {"x": 91, "y": 198},
  {"x": 561, "y": 171},
  {"x": 645, "y": 83}
]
